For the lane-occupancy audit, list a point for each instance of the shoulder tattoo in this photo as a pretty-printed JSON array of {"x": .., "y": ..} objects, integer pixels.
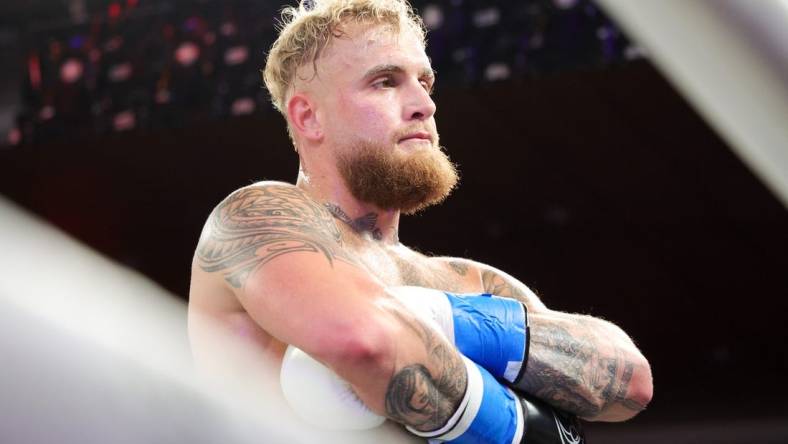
[
  {"x": 257, "y": 224},
  {"x": 501, "y": 284},
  {"x": 496, "y": 284},
  {"x": 461, "y": 268}
]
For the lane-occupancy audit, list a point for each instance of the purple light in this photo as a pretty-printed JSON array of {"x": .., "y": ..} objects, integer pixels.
[
  {"x": 191, "y": 24},
  {"x": 76, "y": 42}
]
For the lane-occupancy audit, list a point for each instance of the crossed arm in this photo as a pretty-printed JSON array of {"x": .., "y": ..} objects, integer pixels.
[
  {"x": 283, "y": 256},
  {"x": 581, "y": 364}
]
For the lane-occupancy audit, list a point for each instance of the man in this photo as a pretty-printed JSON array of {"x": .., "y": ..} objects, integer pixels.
[{"x": 309, "y": 264}]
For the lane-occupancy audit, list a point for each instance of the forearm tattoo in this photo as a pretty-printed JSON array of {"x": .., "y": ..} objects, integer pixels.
[
  {"x": 257, "y": 224},
  {"x": 417, "y": 397},
  {"x": 573, "y": 363},
  {"x": 566, "y": 369}
]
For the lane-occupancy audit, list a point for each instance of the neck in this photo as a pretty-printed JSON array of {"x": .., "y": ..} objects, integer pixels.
[{"x": 365, "y": 219}]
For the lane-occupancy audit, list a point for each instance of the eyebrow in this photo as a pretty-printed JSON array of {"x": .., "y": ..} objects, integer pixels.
[{"x": 396, "y": 69}]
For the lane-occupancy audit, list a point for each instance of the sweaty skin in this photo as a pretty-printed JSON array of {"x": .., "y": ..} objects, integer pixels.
[{"x": 307, "y": 264}]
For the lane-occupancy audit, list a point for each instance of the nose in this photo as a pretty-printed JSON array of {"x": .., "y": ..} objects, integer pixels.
[{"x": 419, "y": 104}]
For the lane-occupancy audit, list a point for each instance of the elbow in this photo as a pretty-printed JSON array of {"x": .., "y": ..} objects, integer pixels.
[
  {"x": 370, "y": 348},
  {"x": 635, "y": 393},
  {"x": 362, "y": 348},
  {"x": 642, "y": 388}
]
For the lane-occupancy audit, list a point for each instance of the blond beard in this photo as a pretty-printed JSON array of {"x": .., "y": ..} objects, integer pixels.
[{"x": 389, "y": 179}]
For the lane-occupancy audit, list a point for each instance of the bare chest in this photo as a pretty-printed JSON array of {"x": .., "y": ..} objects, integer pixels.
[{"x": 402, "y": 266}]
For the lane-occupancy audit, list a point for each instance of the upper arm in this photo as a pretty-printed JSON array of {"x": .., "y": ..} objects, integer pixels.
[
  {"x": 282, "y": 254},
  {"x": 257, "y": 224},
  {"x": 499, "y": 283}
]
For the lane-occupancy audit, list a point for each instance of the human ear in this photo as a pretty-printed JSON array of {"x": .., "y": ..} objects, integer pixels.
[{"x": 302, "y": 116}]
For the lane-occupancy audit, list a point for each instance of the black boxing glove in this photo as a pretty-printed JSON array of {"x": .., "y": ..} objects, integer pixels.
[{"x": 544, "y": 424}]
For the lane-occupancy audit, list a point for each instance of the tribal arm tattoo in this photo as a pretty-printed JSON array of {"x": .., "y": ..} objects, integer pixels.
[
  {"x": 256, "y": 224},
  {"x": 580, "y": 364},
  {"x": 424, "y": 399}
]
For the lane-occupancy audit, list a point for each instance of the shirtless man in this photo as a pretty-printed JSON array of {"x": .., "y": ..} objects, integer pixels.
[{"x": 309, "y": 264}]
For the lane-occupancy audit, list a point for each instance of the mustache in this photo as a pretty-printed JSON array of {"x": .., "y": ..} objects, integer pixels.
[{"x": 404, "y": 132}]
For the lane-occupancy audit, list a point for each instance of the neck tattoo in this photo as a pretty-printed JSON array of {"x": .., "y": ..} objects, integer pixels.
[{"x": 365, "y": 223}]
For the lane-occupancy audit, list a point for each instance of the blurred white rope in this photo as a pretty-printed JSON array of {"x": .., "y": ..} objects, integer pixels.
[{"x": 729, "y": 58}]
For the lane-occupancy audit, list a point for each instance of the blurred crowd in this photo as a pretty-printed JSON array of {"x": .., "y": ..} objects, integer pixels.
[{"x": 149, "y": 64}]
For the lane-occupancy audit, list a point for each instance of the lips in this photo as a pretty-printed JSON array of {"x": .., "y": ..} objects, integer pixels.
[{"x": 421, "y": 135}]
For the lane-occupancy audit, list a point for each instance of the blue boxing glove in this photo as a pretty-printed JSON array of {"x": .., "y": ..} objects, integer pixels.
[
  {"x": 492, "y": 331},
  {"x": 492, "y": 335}
]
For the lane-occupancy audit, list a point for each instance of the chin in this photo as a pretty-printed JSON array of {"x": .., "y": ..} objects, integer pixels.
[{"x": 421, "y": 145}]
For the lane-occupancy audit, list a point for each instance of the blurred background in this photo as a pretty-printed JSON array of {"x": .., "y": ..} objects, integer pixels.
[{"x": 584, "y": 173}]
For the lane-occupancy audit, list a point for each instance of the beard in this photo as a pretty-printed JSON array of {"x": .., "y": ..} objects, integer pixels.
[{"x": 391, "y": 179}]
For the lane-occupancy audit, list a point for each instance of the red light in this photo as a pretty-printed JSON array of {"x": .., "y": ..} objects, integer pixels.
[
  {"x": 168, "y": 31},
  {"x": 124, "y": 120},
  {"x": 114, "y": 10},
  {"x": 132, "y": 3},
  {"x": 236, "y": 55},
  {"x": 14, "y": 136},
  {"x": 34, "y": 68},
  {"x": 187, "y": 53},
  {"x": 71, "y": 70}
]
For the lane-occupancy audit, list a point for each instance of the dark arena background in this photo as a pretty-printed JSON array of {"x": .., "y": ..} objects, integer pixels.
[{"x": 585, "y": 173}]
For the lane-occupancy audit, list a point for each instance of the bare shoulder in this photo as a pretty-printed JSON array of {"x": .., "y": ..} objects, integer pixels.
[
  {"x": 459, "y": 266},
  {"x": 495, "y": 281},
  {"x": 261, "y": 222}
]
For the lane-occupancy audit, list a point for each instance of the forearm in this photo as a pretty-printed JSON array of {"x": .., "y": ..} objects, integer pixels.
[
  {"x": 586, "y": 366},
  {"x": 429, "y": 400},
  {"x": 421, "y": 379},
  {"x": 580, "y": 364}
]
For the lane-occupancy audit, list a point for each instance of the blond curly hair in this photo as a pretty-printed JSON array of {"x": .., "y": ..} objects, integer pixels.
[{"x": 307, "y": 29}]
